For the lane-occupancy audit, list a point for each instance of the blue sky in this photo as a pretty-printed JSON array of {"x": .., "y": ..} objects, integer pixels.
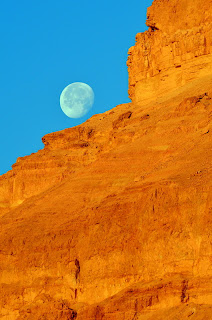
[{"x": 46, "y": 45}]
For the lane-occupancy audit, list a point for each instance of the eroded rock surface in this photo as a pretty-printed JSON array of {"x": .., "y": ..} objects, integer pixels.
[
  {"x": 174, "y": 51},
  {"x": 112, "y": 219}
]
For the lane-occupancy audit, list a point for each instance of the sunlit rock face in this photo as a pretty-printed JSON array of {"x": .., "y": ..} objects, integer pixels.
[
  {"x": 112, "y": 219},
  {"x": 176, "y": 49}
]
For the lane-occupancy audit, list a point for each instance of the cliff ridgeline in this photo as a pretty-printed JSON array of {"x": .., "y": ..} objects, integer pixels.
[{"x": 113, "y": 218}]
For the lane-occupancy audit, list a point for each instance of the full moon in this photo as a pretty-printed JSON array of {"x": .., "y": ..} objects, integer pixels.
[{"x": 76, "y": 99}]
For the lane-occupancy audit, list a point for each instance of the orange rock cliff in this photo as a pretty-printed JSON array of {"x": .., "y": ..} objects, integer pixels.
[
  {"x": 112, "y": 219},
  {"x": 174, "y": 51}
]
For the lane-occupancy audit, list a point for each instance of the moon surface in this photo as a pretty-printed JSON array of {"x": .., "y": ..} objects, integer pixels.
[{"x": 76, "y": 99}]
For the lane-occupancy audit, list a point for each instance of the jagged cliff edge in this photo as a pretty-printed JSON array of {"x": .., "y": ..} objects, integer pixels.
[{"x": 112, "y": 219}]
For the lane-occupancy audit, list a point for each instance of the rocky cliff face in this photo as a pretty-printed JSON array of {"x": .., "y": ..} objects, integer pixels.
[
  {"x": 174, "y": 51},
  {"x": 112, "y": 219}
]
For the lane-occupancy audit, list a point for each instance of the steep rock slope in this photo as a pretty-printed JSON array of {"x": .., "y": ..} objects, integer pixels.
[
  {"x": 112, "y": 219},
  {"x": 175, "y": 50}
]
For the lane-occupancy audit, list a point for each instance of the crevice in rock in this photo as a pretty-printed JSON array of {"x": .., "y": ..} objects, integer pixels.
[{"x": 77, "y": 272}]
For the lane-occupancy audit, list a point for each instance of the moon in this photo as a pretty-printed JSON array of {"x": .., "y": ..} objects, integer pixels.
[{"x": 76, "y": 99}]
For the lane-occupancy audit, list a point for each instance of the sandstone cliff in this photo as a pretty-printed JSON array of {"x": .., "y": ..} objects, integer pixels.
[
  {"x": 112, "y": 219},
  {"x": 174, "y": 51}
]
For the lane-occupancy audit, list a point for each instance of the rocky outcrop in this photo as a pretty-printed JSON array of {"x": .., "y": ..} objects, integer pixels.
[
  {"x": 176, "y": 50},
  {"x": 112, "y": 219},
  {"x": 137, "y": 214},
  {"x": 64, "y": 153}
]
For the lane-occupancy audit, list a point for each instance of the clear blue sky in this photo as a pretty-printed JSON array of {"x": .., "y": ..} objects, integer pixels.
[{"x": 46, "y": 45}]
